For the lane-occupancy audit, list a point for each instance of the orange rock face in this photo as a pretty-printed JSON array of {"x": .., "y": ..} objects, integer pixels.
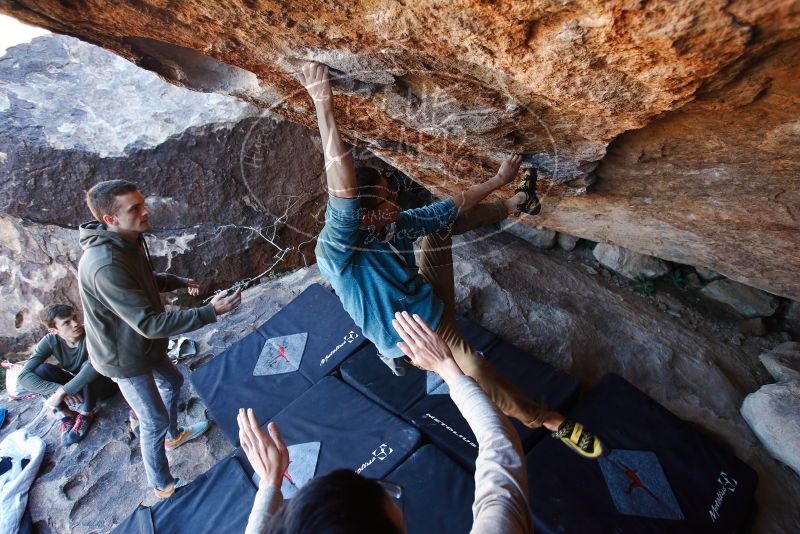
[{"x": 689, "y": 107}]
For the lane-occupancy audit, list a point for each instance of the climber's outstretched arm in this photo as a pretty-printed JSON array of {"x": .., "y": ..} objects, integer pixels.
[
  {"x": 339, "y": 168},
  {"x": 472, "y": 196}
]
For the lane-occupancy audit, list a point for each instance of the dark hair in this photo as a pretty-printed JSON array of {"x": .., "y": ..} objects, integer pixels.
[
  {"x": 337, "y": 503},
  {"x": 48, "y": 315},
  {"x": 368, "y": 180},
  {"x": 102, "y": 197}
]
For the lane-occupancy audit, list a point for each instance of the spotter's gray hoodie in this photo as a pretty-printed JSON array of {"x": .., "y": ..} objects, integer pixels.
[{"x": 127, "y": 329}]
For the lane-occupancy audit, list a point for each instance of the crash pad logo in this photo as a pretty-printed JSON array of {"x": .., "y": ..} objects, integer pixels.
[
  {"x": 281, "y": 355},
  {"x": 434, "y": 385},
  {"x": 303, "y": 459},
  {"x": 348, "y": 338},
  {"x": 638, "y": 485},
  {"x": 381, "y": 453}
]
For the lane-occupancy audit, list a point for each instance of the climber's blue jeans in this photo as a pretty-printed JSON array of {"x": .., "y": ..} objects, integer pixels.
[{"x": 153, "y": 396}]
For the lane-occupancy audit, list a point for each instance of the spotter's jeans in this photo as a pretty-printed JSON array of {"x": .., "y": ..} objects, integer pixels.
[{"x": 153, "y": 396}]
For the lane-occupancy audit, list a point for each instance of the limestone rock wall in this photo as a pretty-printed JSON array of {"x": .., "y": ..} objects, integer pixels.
[{"x": 688, "y": 106}]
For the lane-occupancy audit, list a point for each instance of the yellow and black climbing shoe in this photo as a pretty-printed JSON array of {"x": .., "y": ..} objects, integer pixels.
[
  {"x": 527, "y": 185},
  {"x": 579, "y": 439}
]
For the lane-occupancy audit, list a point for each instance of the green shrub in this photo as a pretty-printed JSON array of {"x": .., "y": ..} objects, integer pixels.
[{"x": 643, "y": 285}]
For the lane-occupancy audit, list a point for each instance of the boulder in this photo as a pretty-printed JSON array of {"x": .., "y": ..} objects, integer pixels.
[
  {"x": 231, "y": 188},
  {"x": 567, "y": 241},
  {"x": 707, "y": 275},
  {"x": 772, "y": 413},
  {"x": 538, "y": 237},
  {"x": 791, "y": 319},
  {"x": 753, "y": 327},
  {"x": 626, "y": 112},
  {"x": 628, "y": 263},
  {"x": 783, "y": 362},
  {"x": 744, "y": 300}
]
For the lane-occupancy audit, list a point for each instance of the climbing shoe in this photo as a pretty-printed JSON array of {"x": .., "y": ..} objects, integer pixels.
[
  {"x": 169, "y": 490},
  {"x": 574, "y": 436},
  {"x": 527, "y": 185},
  {"x": 187, "y": 434},
  {"x": 81, "y": 427},
  {"x": 65, "y": 427}
]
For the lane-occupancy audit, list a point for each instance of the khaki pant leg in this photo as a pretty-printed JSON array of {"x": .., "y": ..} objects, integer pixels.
[
  {"x": 505, "y": 395},
  {"x": 436, "y": 265}
]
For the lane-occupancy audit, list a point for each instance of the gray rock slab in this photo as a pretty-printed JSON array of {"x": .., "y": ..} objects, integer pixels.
[
  {"x": 707, "y": 275},
  {"x": 773, "y": 412},
  {"x": 538, "y": 237},
  {"x": 783, "y": 362},
  {"x": 791, "y": 319},
  {"x": 744, "y": 300},
  {"x": 567, "y": 241},
  {"x": 629, "y": 263}
]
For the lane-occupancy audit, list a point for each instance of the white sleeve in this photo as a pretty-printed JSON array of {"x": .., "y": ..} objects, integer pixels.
[{"x": 501, "y": 483}]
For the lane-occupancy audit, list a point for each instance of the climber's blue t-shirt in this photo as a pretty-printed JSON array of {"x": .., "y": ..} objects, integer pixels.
[{"x": 375, "y": 273}]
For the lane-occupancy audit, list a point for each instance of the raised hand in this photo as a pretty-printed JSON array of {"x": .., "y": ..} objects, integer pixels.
[
  {"x": 316, "y": 79},
  {"x": 223, "y": 304},
  {"x": 424, "y": 346},
  {"x": 267, "y": 454},
  {"x": 509, "y": 169}
]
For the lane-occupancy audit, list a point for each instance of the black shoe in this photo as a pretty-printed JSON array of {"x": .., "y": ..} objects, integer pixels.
[{"x": 527, "y": 185}]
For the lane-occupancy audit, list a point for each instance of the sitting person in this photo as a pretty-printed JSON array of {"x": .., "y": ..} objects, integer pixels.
[
  {"x": 73, "y": 386},
  {"x": 343, "y": 501}
]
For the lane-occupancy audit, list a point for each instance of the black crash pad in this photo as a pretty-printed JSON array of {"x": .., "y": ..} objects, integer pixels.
[
  {"x": 218, "y": 500},
  {"x": 661, "y": 475},
  {"x": 304, "y": 341},
  {"x": 439, "y": 419},
  {"x": 369, "y": 375},
  {"x": 227, "y": 383},
  {"x": 332, "y": 426},
  {"x": 437, "y": 493},
  {"x": 332, "y": 334}
]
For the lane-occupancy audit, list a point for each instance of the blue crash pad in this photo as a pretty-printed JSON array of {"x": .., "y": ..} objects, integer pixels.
[
  {"x": 439, "y": 419},
  {"x": 369, "y": 375},
  {"x": 227, "y": 383},
  {"x": 307, "y": 339},
  {"x": 661, "y": 475},
  {"x": 332, "y": 334},
  {"x": 437, "y": 493},
  {"x": 220, "y": 499},
  {"x": 332, "y": 426}
]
